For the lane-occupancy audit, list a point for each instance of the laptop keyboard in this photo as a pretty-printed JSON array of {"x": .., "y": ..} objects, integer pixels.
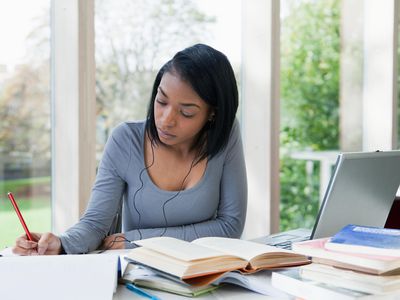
[
  {"x": 284, "y": 240},
  {"x": 283, "y": 245}
]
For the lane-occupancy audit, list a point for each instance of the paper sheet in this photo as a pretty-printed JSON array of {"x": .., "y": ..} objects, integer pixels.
[{"x": 87, "y": 276}]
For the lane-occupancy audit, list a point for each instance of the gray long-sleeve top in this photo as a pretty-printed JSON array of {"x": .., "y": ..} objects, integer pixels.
[{"x": 215, "y": 206}]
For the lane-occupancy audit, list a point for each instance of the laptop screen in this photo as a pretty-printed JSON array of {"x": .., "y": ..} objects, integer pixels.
[{"x": 361, "y": 191}]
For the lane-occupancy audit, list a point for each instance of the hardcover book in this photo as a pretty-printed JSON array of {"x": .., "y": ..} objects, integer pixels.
[
  {"x": 366, "y": 239},
  {"x": 291, "y": 282},
  {"x": 204, "y": 260},
  {"x": 373, "y": 264},
  {"x": 351, "y": 279}
]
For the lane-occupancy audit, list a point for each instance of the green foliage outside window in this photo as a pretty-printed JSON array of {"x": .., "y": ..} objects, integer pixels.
[{"x": 310, "y": 48}]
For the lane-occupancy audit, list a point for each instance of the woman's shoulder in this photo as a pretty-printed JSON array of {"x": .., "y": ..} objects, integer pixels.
[
  {"x": 235, "y": 134},
  {"x": 234, "y": 142},
  {"x": 235, "y": 131},
  {"x": 125, "y": 140},
  {"x": 131, "y": 129}
]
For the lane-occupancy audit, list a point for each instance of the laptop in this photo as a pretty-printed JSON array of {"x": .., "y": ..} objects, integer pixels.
[{"x": 361, "y": 191}]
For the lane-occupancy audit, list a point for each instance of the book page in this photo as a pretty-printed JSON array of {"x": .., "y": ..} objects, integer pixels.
[
  {"x": 240, "y": 248},
  {"x": 258, "y": 282},
  {"x": 7, "y": 252},
  {"x": 180, "y": 249}
]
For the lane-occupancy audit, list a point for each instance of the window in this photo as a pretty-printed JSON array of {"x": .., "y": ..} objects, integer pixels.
[
  {"x": 337, "y": 94},
  {"x": 309, "y": 138},
  {"x": 135, "y": 38},
  {"x": 258, "y": 71},
  {"x": 25, "y": 130}
]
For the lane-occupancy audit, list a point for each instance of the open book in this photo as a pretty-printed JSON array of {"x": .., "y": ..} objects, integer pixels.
[
  {"x": 148, "y": 278},
  {"x": 259, "y": 282},
  {"x": 204, "y": 260}
]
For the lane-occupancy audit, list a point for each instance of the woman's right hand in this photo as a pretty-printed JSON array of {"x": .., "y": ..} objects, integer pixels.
[{"x": 42, "y": 244}]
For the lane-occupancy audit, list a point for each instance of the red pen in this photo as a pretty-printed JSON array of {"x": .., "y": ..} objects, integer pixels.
[{"x": 21, "y": 219}]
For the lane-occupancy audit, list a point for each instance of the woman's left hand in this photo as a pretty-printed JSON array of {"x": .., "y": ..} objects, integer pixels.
[{"x": 114, "y": 241}]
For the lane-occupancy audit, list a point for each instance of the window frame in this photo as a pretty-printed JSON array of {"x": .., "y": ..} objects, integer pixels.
[
  {"x": 260, "y": 114},
  {"x": 73, "y": 110},
  {"x": 74, "y": 119},
  {"x": 380, "y": 76}
]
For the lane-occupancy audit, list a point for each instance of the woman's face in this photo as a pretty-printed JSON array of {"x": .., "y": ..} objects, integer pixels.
[{"x": 179, "y": 112}]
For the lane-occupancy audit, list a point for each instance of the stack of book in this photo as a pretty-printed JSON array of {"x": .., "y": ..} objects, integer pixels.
[
  {"x": 200, "y": 266},
  {"x": 359, "y": 262}
]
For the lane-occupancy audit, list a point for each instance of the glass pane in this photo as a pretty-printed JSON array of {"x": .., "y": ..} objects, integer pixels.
[
  {"x": 309, "y": 138},
  {"x": 25, "y": 145},
  {"x": 135, "y": 38}
]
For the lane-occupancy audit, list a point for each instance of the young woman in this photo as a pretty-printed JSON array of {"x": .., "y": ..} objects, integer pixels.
[{"x": 179, "y": 173}]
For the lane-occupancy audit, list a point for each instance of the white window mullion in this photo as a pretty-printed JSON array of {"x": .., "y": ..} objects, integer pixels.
[
  {"x": 260, "y": 114},
  {"x": 73, "y": 109},
  {"x": 380, "y": 75}
]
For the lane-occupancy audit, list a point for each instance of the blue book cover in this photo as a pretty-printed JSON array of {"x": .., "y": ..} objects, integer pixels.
[{"x": 366, "y": 239}]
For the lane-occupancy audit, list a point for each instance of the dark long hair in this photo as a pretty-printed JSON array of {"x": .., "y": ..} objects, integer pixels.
[{"x": 211, "y": 76}]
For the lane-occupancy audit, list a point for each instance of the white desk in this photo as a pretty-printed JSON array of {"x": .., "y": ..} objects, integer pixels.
[
  {"x": 37, "y": 274},
  {"x": 224, "y": 292}
]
